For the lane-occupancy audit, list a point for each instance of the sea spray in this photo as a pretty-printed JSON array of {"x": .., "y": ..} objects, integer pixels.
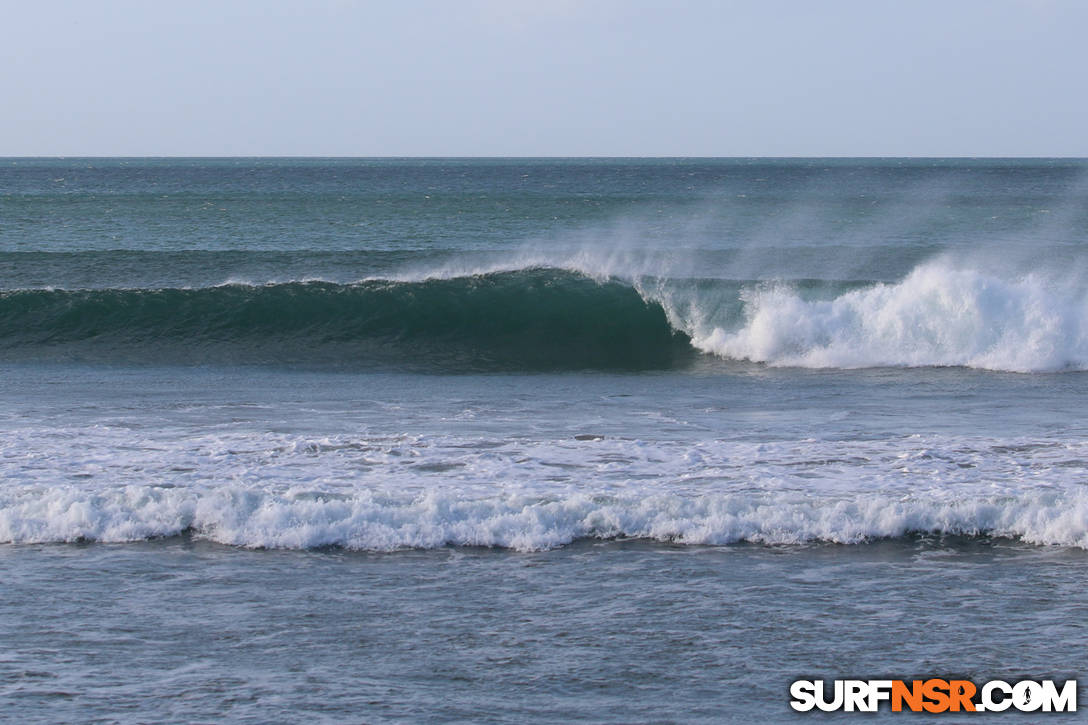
[
  {"x": 939, "y": 315},
  {"x": 579, "y": 315}
]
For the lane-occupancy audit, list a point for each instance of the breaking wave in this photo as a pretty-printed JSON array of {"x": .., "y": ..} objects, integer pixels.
[
  {"x": 281, "y": 490},
  {"x": 369, "y": 521},
  {"x": 532, "y": 318},
  {"x": 939, "y": 315},
  {"x": 569, "y": 317}
]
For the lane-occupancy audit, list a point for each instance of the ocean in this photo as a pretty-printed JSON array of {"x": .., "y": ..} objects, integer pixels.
[{"x": 536, "y": 440}]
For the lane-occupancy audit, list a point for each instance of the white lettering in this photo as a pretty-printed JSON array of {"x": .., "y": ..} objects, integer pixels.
[
  {"x": 803, "y": 693},
  {"x": 823, "y": 703},
  {"x": 1055, "y": 701},
  {"x": 879, "y": 690},
  {"x": 992, "y": 705}
]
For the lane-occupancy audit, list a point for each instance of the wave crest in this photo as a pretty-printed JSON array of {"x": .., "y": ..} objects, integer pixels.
[
  {"x": 569, "y": 317},
  {"x": 531, "y": 318},
  {"x": 369, "y": 521},
  {"x": 940, "y": 315}
]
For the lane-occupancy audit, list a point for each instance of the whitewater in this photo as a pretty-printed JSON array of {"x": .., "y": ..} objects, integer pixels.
[
  {"x": 576, "y": 315},
  {"x": 373, "y": 494},
  {"x": 613, "y": 440}
]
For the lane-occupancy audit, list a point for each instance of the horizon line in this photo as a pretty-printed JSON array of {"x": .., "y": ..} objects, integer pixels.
[{"x": 516, "y": 157}]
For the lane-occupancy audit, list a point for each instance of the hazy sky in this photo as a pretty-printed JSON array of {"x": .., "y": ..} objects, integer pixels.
[{"x": 545, "y": 78}]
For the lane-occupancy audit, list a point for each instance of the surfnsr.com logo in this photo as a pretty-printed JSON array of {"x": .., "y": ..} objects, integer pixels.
[{"x": 933, "y": 695}]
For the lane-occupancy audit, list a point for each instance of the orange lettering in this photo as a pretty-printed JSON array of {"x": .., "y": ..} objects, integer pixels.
[
  {"x": 961, "y": 692},
  {"x": 912, "y": 695},
  {"x": 936, "y": 691}
]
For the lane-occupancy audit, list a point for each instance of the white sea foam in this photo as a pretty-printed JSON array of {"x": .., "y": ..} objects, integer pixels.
[
  {"x": 1001, "y": 315},
  {"x": 364, "y": 520},
  {"x": 279, "y": 490},
  {"x": 939, "y": 315},
  {"x": 944, "y": 313}
]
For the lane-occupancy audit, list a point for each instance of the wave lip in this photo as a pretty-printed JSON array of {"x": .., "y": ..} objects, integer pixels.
[
  {"x": 573, "y": 317},
  {"x": 531, "y": 318}
]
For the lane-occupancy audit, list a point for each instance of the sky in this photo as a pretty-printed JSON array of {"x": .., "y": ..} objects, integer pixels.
[{"x": 544, "y": 78}]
